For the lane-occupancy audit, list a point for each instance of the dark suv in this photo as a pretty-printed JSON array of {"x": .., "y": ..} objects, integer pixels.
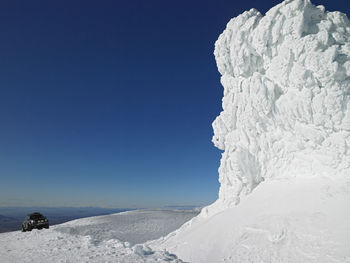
[{"x": 35, "y": 220}]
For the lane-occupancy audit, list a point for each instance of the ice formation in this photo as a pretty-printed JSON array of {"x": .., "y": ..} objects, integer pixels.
[
  {"x": 285, "y": 133},
  {"x": 286, "y": 104}
]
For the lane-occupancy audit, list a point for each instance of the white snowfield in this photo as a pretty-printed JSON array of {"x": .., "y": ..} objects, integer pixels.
[
  {"x": 111, "y": 238},
  {"x": 285, "y": 221},
  {"x": 285, "y": 169},
  {"x": 285, "y": 132}
]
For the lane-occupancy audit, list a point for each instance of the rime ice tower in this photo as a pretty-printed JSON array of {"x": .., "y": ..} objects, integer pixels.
[
  {"x": 286, "y": 104},
  {"x": 285, "y": 134}
]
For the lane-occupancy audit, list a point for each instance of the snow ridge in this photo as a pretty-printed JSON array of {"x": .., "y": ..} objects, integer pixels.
[{"x": 286, "y": 104}]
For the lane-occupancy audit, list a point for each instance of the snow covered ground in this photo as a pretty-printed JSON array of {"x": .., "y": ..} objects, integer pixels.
[
  {"x": 110, "y": 238},
  {"x": 288, "y": 220}
]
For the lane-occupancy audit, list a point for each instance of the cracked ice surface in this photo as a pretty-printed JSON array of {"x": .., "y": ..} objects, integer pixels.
[{"x": 286, "y": 104}]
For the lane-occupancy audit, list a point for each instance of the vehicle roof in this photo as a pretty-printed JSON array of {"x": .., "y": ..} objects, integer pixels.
[{"x": 35, "y": 214}]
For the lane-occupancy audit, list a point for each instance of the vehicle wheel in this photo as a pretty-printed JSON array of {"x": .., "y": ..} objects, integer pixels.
[
  {"x": 40, "y": 228},
  {"x": 47, "y": 227},
  {"x": 23, "y": 229},
  {"x": 29, "y": 228}
]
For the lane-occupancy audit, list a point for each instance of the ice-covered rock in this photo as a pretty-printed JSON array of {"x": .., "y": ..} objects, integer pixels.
[
  {"x": 285, "y": 127},
  {"x": 286, "y": 104}
]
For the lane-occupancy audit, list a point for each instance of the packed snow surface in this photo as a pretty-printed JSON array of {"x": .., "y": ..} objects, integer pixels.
[
  {"x": 285, "y": 131},
  {"x": 285, "y": 221},
  {"x": 111, "y": 238}
]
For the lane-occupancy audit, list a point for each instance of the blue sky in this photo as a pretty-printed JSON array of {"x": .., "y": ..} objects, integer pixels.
[{"x": 110, "y": 103}]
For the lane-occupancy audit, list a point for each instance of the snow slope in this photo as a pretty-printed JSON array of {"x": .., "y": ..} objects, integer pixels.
[
  {"x": 110, "y": 238},
  {"x": 287, "y": 220},
  {"x": 285, "y": 132}
]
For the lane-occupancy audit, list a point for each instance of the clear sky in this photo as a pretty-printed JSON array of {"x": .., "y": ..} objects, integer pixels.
[{"x": 110, "y": 103}]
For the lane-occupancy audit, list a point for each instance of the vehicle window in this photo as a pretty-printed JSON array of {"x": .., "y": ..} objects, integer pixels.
[{"x": 35, "y": 217}]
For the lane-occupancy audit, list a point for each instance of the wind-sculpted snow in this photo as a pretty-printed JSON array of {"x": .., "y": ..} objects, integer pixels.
[
  {"x": 286, "y": 104},
  {"x": 285, "y": 127},
  {"x": 132, "y": 227}
]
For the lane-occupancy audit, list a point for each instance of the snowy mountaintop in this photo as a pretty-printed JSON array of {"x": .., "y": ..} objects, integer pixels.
[{"x": 109, "y": 238}]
